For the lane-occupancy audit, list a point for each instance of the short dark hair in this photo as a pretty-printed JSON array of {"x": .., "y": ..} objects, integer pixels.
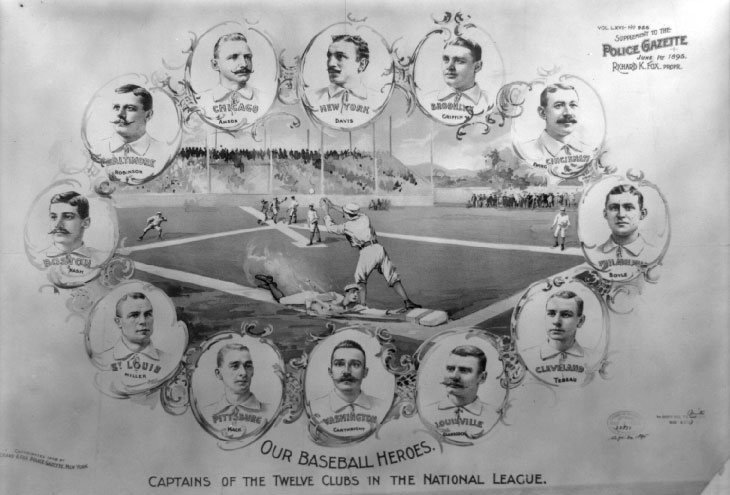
[
  {"x": 625, "y": 188},
  {"x": 472, "y": 351},
  {"x": 74, "y": 199},
  {"x": 228, "y": 347},
  {"x": 553, "y": 88},
  {"x": 128, "y": 295},
  {"x": 227, "y": 37},
  {"x": 473, "y": 46},
  {"x": 361, "y": 46},
  {"x": 349, "y": 344},
  {"x": 569, "y": 294},
  {"x": 138, "y": 91}
]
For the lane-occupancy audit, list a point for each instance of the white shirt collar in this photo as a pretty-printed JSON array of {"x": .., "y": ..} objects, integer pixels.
[
  {"x": 337, "y": 404},
  {"x": 549, "y": 352},
  {"x": 250, "y": 404},
  {"x": 139, "y": 147},
  {"x": 219, "y": 93},
  {"x": 474, "y": 407},
  {"x": 472, "y": 94},
  {"x": 336, "y": 91},
  {"x": 553, "y": 146},
  {"x": 633, "y": 248},
  {"x": 122, "y": 351},
  {"x": 54, "y": 251}
]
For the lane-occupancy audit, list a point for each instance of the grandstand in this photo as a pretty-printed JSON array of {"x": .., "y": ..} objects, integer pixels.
[{"x": 284, "y": 171}]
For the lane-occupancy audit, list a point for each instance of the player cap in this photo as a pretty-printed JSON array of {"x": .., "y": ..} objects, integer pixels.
[
  {"x": 562, "y": 208},
  {"x": 349, "y": 287},
  {"x": 351, "y": 209},
  {"x": 159, "y": 213}
]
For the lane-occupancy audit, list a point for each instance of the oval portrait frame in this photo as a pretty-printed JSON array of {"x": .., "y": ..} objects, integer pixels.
[
  {"x": 594, "y": 235},
  {"x": 150, "y": 158},
  {"x": 171, "y": 340},
  {"x": 101, "y": 236},
  {"x": 384, "y": 83},
  {"x": 528, "y": 333},
  {"x": 526, "y": 132},
  {"x": 263, "y": 353},
  {"x": 430, "y": 396},
  {"x": 266, "y": 81},
  {"x": 376, "y": 355},
  {"x": 427, "y": 93}
]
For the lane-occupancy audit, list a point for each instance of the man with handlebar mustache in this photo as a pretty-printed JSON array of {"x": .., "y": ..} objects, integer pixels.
[
  {"x": 560, "y": 109},
  {"x": 130, "y": 154},
  {"x": 462, "y": 413},
  {"x": 68, "y": 214},
  {"x": 233, "y": 102},
  {"x": 346, "y": 410}
]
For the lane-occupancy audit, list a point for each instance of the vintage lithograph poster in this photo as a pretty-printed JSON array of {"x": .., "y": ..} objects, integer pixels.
[{"x": 364, "y": 247}]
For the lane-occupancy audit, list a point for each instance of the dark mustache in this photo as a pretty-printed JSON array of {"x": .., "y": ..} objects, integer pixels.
[
  {"x": 568, "y": 119},
  {"x": 452, "y": 383},
  {"x": 120, "y": 121},
  {"x": 346, "y": 378},
  {"x": 59, "y": 230},
  {"x": 243, "y": 71}
]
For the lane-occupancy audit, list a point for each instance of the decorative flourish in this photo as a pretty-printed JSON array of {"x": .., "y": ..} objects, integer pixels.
[
  {"x": 352, "y": 18},
  {"x": 117, "y": 270},
  {"x": 635, "y": 175},
  {"x": 545, "y": 73},
  {"x": 445, "y": 19},
  {"x": 174, "y": 394},
  {"x": 593, "y": 280},
  {"x": 249, "y": 328},
  {"x": 460, "y": 19},
  {"x": 330, "y": 330},
  {"x": 550, "y": 283},
  {"x": 405, "y": 396},
  {"x": 403, "y": 74},
  {"x": 293, "y": 406},
  {"x": 81, "y": 300},
  {"x": 260, "y": 123},
  {"x": 597, "y": 168},
  {"x": 514, "y": 369},
  {"x": 620, "y": 292},
  {"x": 185, "y": 99},
  {"x": 288, "y": 74},
  {"x": 104, "y": 188}
]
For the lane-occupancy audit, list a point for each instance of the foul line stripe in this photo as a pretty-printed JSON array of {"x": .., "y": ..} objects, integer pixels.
[
  {"x": 503, "y": 305},
  {"x": 185, "y": 240},
  {"x": 284, "y": 228},
  {"x": 478, "y": 244},
  {"x": 211, "y": 283},
  {"x": 489, "y": 245}
]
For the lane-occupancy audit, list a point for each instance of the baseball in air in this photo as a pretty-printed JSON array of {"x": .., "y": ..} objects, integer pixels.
[{"x": 311, "y": 190}]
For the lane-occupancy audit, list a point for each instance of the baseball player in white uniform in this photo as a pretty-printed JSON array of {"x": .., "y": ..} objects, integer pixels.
[
  {"x": 560, "y": 224},
  {"x": 154, "y": 222},
  {"x": 358, "y": 230},
  {"x": 313, "y": 223},
  {"x": 292, "y": 210}
]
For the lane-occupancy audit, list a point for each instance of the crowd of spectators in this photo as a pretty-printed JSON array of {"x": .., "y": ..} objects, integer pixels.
[
  {"x": 243, "y": 170},
  {"x": 524, "y": 199}
]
